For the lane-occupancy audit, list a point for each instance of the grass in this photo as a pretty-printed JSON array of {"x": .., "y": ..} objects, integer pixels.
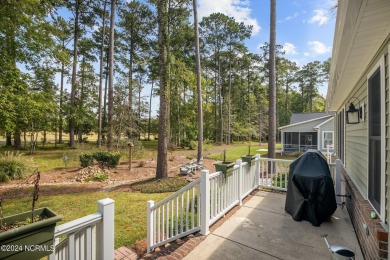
[
  {"x": 235, "y": 152},
  {"x": 130, "y": 210},
  {"x": 130, "y": 207},
  {"x": 50, "y": 158},
  {"x": 159, "y": 186}
]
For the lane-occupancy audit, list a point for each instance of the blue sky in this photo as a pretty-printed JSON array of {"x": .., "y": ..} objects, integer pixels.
[{"x": 304, "y": 27}]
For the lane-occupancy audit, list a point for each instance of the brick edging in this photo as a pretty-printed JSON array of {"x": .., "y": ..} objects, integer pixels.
[{"x": 374, "y": 245}]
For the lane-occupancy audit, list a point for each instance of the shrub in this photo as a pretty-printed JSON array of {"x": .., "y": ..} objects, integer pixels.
[
  {"x": 99, "y": 176},
  {"x": 191, "y": 144},
  {"x": 86, "y": 160},
  {"x": 104, "y": 159},
  {"x": 107, "y": 159},
  {"x": 13, "y": 166}
]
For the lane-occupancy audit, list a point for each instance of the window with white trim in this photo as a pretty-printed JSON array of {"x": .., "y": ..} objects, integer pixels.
[
  {"x": 327, "y": 139},
  {"x": 376, "y": 137}
]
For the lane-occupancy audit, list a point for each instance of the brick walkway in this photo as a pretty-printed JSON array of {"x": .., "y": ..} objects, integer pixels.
[
  {"x": 179, "y": 248},
  {"x": 125, "y": 253}
]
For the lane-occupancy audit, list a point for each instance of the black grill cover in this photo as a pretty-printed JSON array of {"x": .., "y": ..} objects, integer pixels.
[{"x": 310, "y": 191}]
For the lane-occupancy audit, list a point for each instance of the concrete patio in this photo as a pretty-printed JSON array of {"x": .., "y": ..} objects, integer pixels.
[{"x": 261, "y": 229}]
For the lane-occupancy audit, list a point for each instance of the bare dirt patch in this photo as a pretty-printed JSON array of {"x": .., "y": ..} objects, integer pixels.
[{"x": 66, "y": 180}]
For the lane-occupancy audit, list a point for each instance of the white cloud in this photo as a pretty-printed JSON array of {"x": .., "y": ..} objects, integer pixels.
[
  {"x": 289, "y": 48},
  {"x": 292, "y": 17},
  {"x": 239, "y": 9},
  {"x": 318, "y": 47},
  {"x": 321, "y": 17},
  {"x": 306, "y": 54}
]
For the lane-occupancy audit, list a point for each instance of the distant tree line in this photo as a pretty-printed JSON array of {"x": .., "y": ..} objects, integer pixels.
[{"x": 55, "y": 74}]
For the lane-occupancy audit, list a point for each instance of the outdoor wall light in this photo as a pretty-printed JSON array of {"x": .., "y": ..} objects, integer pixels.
[{"x": 353, "y": 114}]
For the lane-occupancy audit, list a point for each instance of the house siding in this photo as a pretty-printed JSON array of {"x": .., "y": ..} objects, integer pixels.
[
  {"x": 325, "y": 128},
  {"x": 374, "y": 244},
  {"x": 305, "y": 127}
]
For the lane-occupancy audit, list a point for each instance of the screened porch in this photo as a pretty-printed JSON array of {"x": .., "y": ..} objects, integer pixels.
[{"x": 299, "y": 141}]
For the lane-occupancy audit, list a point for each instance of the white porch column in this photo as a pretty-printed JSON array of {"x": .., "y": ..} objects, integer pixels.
[
  {"x": 205, "y": 202},
  {"x": 339, "y": 166},
  {"x": 240, "y": 176},
  {"x": 257, "y": 170},
  {"x": 299, "y": 141},
  {"x": 105, "y": 230},
  {"x": 150, "y": 225}
]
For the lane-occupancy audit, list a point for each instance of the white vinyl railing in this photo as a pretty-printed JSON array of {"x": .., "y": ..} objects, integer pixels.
[
  {"x": 335, "y": 171},
  {"x": 329, "y": 153},
  {"x": 174, "y": 217},
  {"x": 200, "y": 204},
  {"x": 274, "y": 173},
  {"x": 90, "y": 237}
]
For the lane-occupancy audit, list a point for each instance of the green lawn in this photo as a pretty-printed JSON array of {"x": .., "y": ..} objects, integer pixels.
[
  {"x": 235, "y": 152},
  {"x": 50, "y": 158},
  {"x": 130, "y": 210},
  {"x": 130, "y": 207}
]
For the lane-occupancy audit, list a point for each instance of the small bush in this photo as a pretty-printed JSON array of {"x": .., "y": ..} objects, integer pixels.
[
  {"x": 86, "y": 160},
  {"x": 100, "y": 176},
  {"x": 104, "y": 159},
  {"x": 107, "y": 159},
  {"x": 13, "y": 166},
  {"x": 190, "y": 144}
]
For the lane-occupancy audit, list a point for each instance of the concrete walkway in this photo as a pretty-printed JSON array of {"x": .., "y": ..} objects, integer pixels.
[{"x": 262, "y": 230}]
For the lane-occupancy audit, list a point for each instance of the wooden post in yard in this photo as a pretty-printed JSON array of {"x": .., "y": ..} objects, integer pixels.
[{"x": 131, "y": 145}]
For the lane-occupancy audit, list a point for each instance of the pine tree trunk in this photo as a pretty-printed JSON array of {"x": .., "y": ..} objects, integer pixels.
[
  {"x": 17, "y": 140},
  {"x": 272, "y": 84},
  {"x": 198, "y": 86},
  {"x": 74, "y": 73},
  {"x": 163, "y": 42},
  {"x": 8, "y": 139},
  {"x": 104, "y": 121},
  {"x": 111, "y": 77},
  {"x": 220, "y": 103},
  {"x": 100, "y": 124},
  {"x": 150, "y": 109},
  {"x": 60, "y": 125},
  {"x": 131, "y": 90}
]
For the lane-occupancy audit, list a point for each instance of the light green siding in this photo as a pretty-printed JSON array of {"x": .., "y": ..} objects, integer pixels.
[
  {"x": 328, "y": 126},
  {"x": 304, "y": 127},
  {"x": 356, "y": 136}
]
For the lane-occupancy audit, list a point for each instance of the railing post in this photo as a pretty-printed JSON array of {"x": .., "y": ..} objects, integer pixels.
[
  {"x": 205, "y": 202},
  {"x": 339, "y": 166},
  {"x": 257, "y": 170},
  {"x": 240, "y": 176},
  {"x": 52, "y": 256},
  {"x": 105, "y": 230},
  {"x": 150, "y": 219}
]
